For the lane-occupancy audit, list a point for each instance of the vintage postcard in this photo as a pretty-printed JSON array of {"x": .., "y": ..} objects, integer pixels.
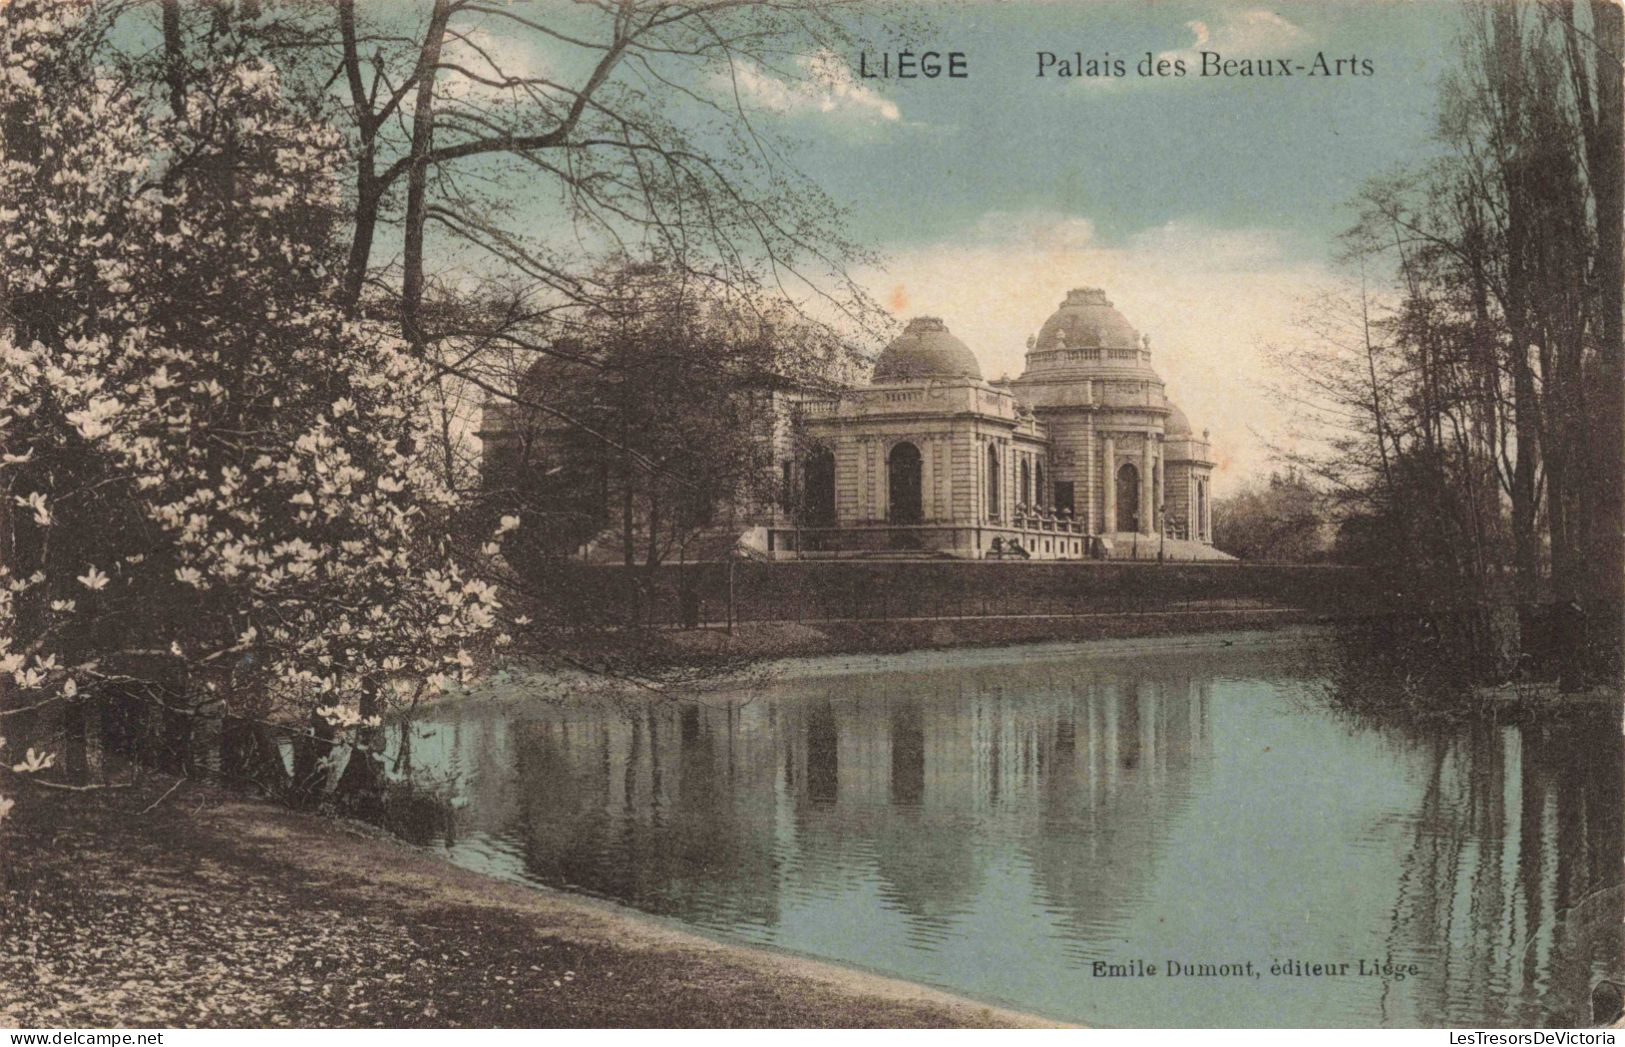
[{"x": 810, "y": 513}]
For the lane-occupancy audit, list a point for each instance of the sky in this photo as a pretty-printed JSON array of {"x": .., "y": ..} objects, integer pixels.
[{"x": 1208, "y": 208}]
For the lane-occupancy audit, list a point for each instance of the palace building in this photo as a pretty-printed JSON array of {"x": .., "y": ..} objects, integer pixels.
[{"x": 1082, "y": 455}]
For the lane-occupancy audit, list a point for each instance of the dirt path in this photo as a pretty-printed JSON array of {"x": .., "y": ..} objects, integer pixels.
[{"x": 210, "y": 910}]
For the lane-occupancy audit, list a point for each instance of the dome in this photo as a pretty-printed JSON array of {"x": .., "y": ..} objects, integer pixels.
[
  {"x": 1176, "y": 425},
  {"x": 926, "y": 349},
  {"x": 1087, "y": 319}
]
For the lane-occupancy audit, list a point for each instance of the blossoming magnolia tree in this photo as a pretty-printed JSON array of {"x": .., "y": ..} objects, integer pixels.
[{"x": 214, "y": 485}]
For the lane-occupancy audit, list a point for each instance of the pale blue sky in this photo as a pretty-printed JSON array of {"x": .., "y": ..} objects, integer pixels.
[
  {"x": 1285, "y": 154},
  {"x": 1208, "y": 208}
]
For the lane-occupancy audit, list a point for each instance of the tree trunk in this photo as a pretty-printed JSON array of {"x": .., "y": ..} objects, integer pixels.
[
  {"x": 1525, "y": 491},
  {"x": 417, "y": 177},
  {"x": 174, "y": 58},
  {"x": 1604, "y": 146},
  {"x": 368, "y": 200},
  {"x": 309, "y": 767},
  {"x": 368, "y": 193}
]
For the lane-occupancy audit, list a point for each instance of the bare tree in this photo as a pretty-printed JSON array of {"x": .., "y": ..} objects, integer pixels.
[{"x": 1486, "y": 427}]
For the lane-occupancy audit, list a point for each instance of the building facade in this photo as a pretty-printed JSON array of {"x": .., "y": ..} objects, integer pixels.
[{"x": 1082, "y": 455}]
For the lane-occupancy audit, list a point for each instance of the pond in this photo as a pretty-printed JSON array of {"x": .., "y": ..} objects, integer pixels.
[{"x": 1019, "y": 825}]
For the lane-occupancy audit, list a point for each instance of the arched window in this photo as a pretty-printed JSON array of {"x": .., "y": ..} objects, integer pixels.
[
  {"x": 1026, "y": 483},
  {"x": 1040, "y": 495},
  {"x": 992, "y": 481},
  {"x": 1128, "y": 498},
  {"x": 818, "y": 488},
  {"x": 903, "y": 484}
]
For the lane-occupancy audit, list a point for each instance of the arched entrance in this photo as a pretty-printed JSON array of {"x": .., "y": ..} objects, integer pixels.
[
  {"x": 1128, "y": 498},
  {"x": 818, "y": 488},
  {"x": 903, "y": 478}
]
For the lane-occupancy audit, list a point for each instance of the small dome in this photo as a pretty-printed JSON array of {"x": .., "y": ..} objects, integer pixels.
[
  {"x": 1086, "y": 320},
  {"x": 926, "y": 349},
  {"x": 1177, "y": 424}
]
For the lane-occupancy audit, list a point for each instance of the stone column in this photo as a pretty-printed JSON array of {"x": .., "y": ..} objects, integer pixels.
[
  {"x": 1108, "y": 486},
  {"x": 863, "y": 478},
  {"x": 1207, "y": 511},
  {"x": 988, "y": 473},
  {"x": 1007, "y": 482},
  {"x": 1159, "y": 524},
  {"x": 1148, "y": 490},
  {"x": 1083, "y": 501},
  {"x": 928, "y": 491}
]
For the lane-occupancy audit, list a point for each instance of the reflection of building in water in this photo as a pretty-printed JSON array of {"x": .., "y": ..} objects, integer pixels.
[
  {"x": 1084, "y": 770},
  {"x": 911, "y": 783},
  {"x": 899, "y": 819},
  {"x": 1120, "y": 768},
  {"x": 656, "y": 807}
]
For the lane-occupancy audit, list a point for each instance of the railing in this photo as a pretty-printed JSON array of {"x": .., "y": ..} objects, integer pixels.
[
  {"x": 1043, "y": 520},
  {"x": 1048, "y": 540}
]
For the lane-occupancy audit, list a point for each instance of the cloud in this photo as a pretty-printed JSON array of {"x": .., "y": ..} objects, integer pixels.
[
  {"x": 1250, "y": 33},
  {"x": 1244, "y": 34},
  {"x": 1046, "y": 230},
  {"x": 485, "y": 56},
  {"x": 1211, "y": 299},
  {"x": 824, "y": 86},
  {"x": 1203, "y": 246}
]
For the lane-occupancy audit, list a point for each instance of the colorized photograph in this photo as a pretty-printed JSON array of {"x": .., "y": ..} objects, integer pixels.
[{"x": 638, "y": 514}]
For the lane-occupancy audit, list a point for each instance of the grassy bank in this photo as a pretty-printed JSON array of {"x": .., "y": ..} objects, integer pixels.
[
  {"x": 805, "y": 591},
  {"x": 142, "y": 907},
  {"x": 856, "y": 636}
]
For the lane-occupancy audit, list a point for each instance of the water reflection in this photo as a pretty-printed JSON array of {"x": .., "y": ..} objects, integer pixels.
[{"x": 996, "y": 828}]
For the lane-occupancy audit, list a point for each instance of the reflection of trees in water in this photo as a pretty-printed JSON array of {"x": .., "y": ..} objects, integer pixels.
[
  {"x": 1509, "y": 894},
  {"x": 1061, "y": 781},
  {"x": 1389, "y": 666}
]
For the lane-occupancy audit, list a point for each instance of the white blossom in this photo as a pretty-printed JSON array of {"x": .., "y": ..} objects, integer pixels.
[
  {"x": 34, "y": 762},
  {"x": 249, "y": 441}
]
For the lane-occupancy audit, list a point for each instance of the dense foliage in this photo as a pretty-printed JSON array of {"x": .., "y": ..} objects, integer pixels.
[
  {"x": 1463, "y": 408},
  {"x": 216, "y": 481},
  {"x": 1282, "y": 519}
]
